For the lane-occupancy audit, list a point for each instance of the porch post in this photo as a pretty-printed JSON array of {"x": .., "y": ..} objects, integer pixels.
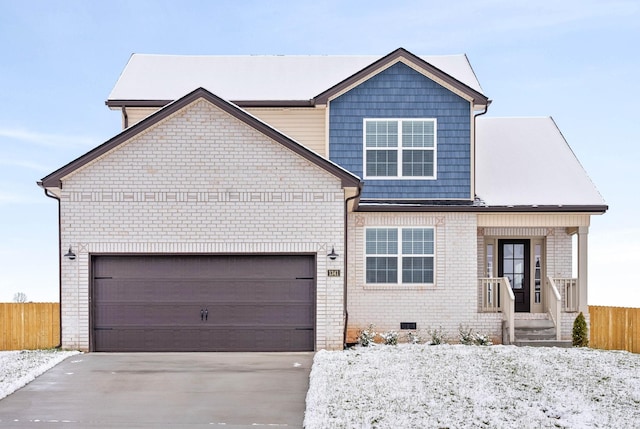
[{"x": 583, "y": 232}]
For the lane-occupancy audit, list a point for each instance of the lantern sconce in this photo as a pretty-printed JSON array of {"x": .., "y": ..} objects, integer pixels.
[
  {"x": 70, "y": 254},
  {"x": 333, "y": 255}
]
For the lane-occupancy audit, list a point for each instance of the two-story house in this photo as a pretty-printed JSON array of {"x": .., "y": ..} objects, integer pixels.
[{"x": 286, "y": 202}]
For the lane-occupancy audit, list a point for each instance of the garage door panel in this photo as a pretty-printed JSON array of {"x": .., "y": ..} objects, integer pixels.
[{"x": 155, "y": 303}]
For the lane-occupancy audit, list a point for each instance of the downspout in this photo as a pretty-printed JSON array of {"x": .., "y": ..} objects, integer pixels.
[
  {"x": 475, "y": 133},
  {"x": 125, "y": 118},
  {"x": 50, "y": 195},
  {"x": 346, "y": 262}
]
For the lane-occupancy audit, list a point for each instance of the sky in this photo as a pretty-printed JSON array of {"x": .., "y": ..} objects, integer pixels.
[{"x": 577, "y": 61}]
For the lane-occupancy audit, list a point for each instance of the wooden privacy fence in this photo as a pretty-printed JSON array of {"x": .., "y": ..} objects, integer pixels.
[
  {"x": 29, "y": 326},
  {"x": 615, "y": 328}
]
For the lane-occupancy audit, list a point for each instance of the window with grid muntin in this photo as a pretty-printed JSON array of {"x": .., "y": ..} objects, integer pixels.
[
  {"x": 400, "y": 148},
  {"x": 399, "y": 255}
]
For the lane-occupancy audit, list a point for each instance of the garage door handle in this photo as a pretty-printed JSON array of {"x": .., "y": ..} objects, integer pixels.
[{"x": 204, "y": 314}]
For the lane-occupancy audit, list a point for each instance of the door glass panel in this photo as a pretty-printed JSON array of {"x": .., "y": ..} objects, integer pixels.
[
  {"x": 489, "y": 260},
  {"x": 518, "y": 250},
  {"x": 518, "y": 267},
  {"x": 518, "y": 281},
  {"x": 508, "y": 266},
  {"x": 508, "y": 251}
]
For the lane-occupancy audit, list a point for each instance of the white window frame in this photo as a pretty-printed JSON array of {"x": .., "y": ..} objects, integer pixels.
[
  {"x": 399, "y": 149},
  {"x": 399, "y": 257}
]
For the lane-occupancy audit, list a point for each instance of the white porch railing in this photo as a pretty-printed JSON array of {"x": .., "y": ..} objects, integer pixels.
[
  {"x": 570, "y": 288},
  {"x": 497, "y": 296},
  {"x": 553, "y": 304}
]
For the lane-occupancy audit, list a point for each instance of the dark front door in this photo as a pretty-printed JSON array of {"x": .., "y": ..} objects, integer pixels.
[{"x": 513, "y": 262}]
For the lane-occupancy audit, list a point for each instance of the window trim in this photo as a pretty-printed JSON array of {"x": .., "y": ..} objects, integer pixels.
[
  {"x": 400, "y": 150},
  {"x": 399, "y": 256}
]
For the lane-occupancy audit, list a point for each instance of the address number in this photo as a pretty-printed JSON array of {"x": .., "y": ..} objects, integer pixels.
[{"x": 333, "y": 273}]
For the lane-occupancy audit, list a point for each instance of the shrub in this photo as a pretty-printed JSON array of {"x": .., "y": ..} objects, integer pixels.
[
  {"x": 580, "y": 334},
  {"x": 390, "y": 338},
  {"x": 437, "y": 337},
  {"x": 470, "y": 338},
  {"x": 413, "y": 338},
  {"x": 367, "y": 337},
  {"x": 466, "y": 336},
  {"x": 482, "y": 340}
]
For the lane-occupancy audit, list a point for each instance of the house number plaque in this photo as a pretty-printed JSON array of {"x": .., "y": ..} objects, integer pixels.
[{"x": 333, "y": 273}]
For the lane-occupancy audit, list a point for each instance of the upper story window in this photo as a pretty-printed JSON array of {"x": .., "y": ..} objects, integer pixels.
[
  {"x": 399, "y": 255},
  {"x": 400, "y": 148}
]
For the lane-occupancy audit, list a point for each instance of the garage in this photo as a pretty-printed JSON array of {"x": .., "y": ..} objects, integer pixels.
[{"x": 203, "y": 303}]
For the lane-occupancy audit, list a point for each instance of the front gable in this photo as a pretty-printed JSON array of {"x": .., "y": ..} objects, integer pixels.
[
  {"x": 400, "y": 92},
  {"x": 54, "y": 181}
]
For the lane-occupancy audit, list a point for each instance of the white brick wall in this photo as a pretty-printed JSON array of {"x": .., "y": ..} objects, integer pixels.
[
  {"x": 201, "y": 181},
  {"x": 451, "y": 302}
]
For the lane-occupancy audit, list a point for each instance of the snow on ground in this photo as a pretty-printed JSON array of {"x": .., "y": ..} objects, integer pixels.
[
  {"x": 456, "y": 386},
  {"x": 17, "y": 368}
]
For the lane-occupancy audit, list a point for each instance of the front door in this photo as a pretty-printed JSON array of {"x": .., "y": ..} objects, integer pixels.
[{"x": 513, "y": 262}]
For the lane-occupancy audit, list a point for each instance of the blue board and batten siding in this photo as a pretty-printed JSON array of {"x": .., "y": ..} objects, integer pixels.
[{"x": 401, "y": 92}]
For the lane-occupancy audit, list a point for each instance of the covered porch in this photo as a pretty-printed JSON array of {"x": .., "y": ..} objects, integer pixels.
[{"x": 533, "y": 269}]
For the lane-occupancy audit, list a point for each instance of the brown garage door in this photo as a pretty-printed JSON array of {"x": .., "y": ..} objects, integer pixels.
[{"x": 203, "y": 303}]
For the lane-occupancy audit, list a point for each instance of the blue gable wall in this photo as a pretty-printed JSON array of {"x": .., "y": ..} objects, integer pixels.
[{"x": 401, "y": 92}]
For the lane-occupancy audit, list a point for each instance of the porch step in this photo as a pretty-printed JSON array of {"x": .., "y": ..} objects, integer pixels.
[{"x": 538, "y": 332}]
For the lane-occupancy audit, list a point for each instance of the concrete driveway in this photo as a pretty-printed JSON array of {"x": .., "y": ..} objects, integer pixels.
[{"x": 154, "y": 390}]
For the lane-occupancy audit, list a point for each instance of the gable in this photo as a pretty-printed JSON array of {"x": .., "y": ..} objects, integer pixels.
[
  {"x": 401, "y": 92},
  {"x": 54, "y": 180},
  {"x": 202, "y": 153}
]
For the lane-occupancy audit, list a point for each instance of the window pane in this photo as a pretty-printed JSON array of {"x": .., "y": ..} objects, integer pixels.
[
  {"x": 382, "y": 241},
  {"x": 417, "y": 163},
  {"x": 417, "y": 270},
  {"x": 381, "y": 134},
  {"x": 418, "y": 134},
  {"x": 382, "y": 270},
  {"x": 417, "y": 241},
  {"x": 382, "y": 163}
]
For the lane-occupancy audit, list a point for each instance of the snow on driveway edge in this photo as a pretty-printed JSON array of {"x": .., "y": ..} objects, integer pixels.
[{"x": 18, "y": 368}]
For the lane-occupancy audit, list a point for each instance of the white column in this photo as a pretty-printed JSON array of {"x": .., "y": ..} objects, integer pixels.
[{"x": 583, "y": 282}]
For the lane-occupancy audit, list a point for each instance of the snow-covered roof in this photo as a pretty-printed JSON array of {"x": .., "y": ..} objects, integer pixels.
[
  {"x": 527, "y": 161},
  {"x": 255, "y": 77}
]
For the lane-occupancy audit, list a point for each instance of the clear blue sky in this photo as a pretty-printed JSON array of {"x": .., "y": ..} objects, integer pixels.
[{"x": 577, "y": 61}]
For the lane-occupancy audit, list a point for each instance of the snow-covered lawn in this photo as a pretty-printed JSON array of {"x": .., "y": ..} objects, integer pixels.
[
  {"x": 17, "y": 368},
  {"x": 455, "y": 386}
]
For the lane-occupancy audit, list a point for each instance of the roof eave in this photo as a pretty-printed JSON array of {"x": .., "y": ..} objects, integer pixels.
[
  {"x": 393, "y": 207},
  {"x": 117, "y": 104}
]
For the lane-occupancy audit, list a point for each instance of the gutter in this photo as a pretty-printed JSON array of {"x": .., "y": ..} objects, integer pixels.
[
  {"x": 345, "y": 311},
  {"x": 50, "y": 195}
]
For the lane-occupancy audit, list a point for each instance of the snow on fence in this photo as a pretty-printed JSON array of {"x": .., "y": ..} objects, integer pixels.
[
  {"x": 615, "y": 328},
  {"x": 29, "y": 326}
]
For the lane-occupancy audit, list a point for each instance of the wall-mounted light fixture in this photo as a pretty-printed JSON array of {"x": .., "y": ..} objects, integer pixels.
[
  {"x": 70, "y": 254},
  {"x": 333, "y": 255}
]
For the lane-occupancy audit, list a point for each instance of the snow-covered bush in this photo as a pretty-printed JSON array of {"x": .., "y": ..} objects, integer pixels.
[
  {"x": 367, "y": 337},
  {"x": 470, "y": 338},
  {"x": 437, "y": 337},
  {"x": 482, "y": 340},
  {"x": 390, "y": 338},
  {"x": 413, "y": 338},
  {"x": 466, "y": 335}
]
